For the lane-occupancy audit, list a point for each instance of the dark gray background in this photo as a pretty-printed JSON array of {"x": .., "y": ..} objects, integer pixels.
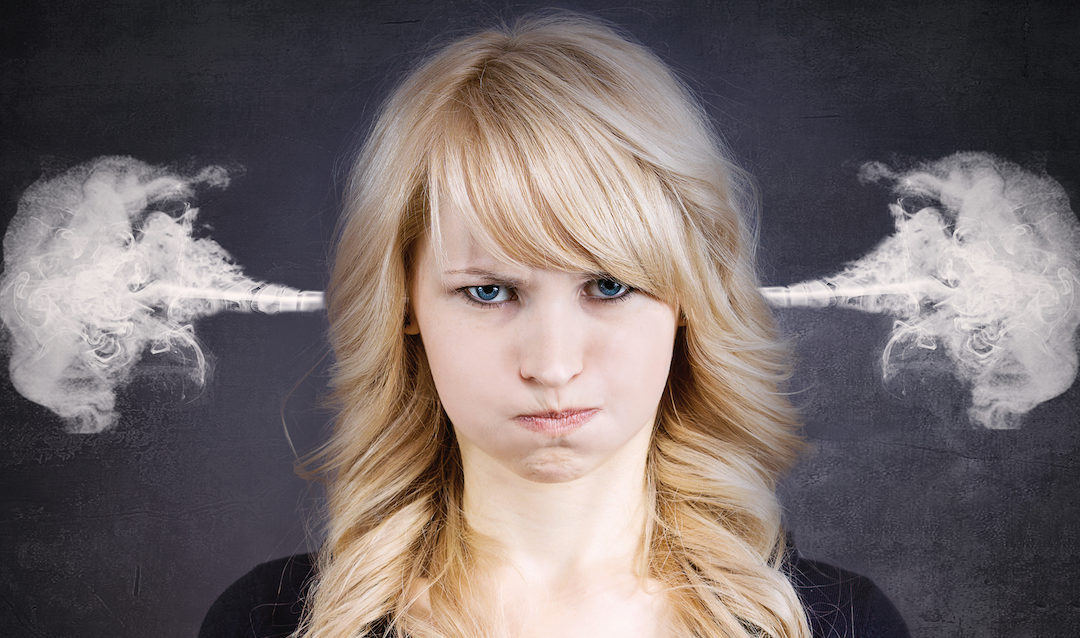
[{"x": 133, "y": 532}]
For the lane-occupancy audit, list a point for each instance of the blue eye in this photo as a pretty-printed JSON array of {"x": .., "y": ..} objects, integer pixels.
[
  {"x": 608, "y": 288},
  {"x": 489, "y": 293}
]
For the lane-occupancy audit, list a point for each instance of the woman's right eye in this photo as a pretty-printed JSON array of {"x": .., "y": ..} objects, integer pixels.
[{"x": 488, "y": 294}]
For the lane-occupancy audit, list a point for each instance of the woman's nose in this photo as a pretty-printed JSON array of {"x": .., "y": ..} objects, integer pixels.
[{"x": 552, "y": 343}]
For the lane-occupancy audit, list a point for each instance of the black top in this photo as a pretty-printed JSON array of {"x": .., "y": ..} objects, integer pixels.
[{"x": 267, "y": 601}]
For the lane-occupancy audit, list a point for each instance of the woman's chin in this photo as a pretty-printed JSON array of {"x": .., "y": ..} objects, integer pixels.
[{"x": 552, "y": 465}]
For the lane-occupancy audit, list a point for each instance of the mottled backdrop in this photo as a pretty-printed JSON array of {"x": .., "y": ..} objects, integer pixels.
[{"x": 134, "y": 531}]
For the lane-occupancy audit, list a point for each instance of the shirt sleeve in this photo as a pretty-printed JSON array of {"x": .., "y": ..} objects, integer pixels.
[
  {"x": 879, "y": 618},
  {"x": 842, "y": 604},
  {"x": 267, "y": 602}
]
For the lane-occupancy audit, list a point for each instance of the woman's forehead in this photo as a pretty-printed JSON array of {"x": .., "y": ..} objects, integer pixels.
[
  {"x": 454, "y": 245},
  {"x": 459, "y": 236},
  {"x": 546, "y": 215}
]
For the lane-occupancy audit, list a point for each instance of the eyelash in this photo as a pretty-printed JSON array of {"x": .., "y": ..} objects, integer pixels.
[{"x": 464, "y": 292}]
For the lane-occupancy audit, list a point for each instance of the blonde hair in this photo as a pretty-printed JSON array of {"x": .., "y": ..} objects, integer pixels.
[{"x": 569, "y": 146}]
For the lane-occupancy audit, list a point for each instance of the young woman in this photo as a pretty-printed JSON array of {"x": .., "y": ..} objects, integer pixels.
[{"x": 557, "y": 382}]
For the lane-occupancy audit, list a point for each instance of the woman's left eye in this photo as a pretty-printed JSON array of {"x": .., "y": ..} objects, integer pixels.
[{"x": 608, "y": 288}]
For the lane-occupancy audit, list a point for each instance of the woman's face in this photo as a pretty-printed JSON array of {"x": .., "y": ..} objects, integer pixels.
[{"x": 546, "y": 373}]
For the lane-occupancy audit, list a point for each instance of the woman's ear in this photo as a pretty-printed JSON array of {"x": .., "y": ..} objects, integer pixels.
[{"x": 411, "y": 327}]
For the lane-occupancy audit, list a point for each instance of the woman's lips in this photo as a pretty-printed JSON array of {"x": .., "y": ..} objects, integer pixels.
[{"x": 556, "y": 423}]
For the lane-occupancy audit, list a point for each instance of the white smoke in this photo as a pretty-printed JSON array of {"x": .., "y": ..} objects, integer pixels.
[
  {"x": 100, "y": 266},
  {"x": 983, "y": 269}
]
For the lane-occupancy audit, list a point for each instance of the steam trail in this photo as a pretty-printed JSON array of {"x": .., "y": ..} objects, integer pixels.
[
  {"x": 983, "y": 268},
  {"x": 100, "y": 265}
]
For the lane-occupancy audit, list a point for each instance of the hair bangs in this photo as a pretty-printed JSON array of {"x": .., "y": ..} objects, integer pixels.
[{"x": 551, "y": 187}]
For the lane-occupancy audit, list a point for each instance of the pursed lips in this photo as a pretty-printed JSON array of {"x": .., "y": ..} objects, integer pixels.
[{"x": 557, "y": 423}]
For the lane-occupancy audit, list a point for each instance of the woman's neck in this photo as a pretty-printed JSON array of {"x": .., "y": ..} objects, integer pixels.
[
  {"x": 567, "y": 560},
  {"x": 550, "y": 532}
]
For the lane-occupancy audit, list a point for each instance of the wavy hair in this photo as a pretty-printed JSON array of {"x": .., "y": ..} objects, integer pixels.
[{"x": 567, "y": 145}]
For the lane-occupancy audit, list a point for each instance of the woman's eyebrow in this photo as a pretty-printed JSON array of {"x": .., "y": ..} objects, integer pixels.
[{"x": 486, "y": 274}]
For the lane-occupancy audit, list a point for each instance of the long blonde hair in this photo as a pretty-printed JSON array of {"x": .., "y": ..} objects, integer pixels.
[{"x": 568, "y": 146}]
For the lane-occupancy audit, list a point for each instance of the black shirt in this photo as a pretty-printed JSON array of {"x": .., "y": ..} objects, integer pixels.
[{"x": 267, "y": 601}]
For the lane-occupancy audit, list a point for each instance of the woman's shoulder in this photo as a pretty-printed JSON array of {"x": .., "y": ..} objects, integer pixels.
[
  {"x": 266, "y": 602},
  {"x": 840, "y": 603}
]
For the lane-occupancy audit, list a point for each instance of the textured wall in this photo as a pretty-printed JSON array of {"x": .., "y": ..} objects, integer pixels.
[{"x": 133, "y": 532}]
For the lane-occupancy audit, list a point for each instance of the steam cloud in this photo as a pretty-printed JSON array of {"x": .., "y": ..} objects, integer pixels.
[
  {"x": 983, "y": 268},
  {"x": 100, "y": 265}
]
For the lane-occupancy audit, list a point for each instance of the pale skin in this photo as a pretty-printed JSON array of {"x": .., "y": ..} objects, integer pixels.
[{"x": 567, "y": 504}]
